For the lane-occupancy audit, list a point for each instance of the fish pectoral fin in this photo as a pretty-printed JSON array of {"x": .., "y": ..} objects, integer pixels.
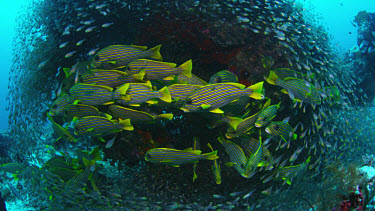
[
  {"x": 168, "y": 78},
  {"x": 137, "y": 105},
  {"x": 89, "y": 130},
  {"x": 175, "y": 165},
  {"x": 112, "y": 62},
  {"x": 101, "y": 139},
  {"x": 76, "y": 102},
  {"x": 205, "y": 106},
  {"x": 108, "y": 103},
  {"x": 217, "y": 111},
  {"x": 284, "y": 91},
  {"x": 152, "y": 102}
]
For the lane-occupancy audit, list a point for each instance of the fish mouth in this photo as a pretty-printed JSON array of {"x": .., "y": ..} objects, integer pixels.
[
  {"x": 268, "y": 131},
  {"x": 258, "y": 125},
  {"x": 185, "y": 110}
]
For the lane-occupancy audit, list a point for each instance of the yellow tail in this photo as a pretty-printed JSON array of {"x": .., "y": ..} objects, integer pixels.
[
  {"x": 257, "y": 90},
  {"x": 186, "y": 68},
  {"x": 155, "y": 52},
  {"x": 211, "y": 155},
  {"x": 126, "y": 124},
  {"x": 166, "y": 96},
  {"x": 272, "y": 78}
]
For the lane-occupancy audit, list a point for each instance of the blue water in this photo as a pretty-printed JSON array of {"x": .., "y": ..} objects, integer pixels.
[{"x": 8, "y": 12}]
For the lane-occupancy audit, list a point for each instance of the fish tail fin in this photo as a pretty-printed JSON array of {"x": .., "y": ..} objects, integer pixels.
[
  {"x": 256, "y": 91},
  {"x": 211, "y": 155},
  {"x": 67, "y": 72},
  {"x": 186, "y": 68},
  {"x": 165, "y": 116},
  {"x": 156, "y": 52},
  {"x": 165, "y": 95},
  {"x": 272, "y": 78},
  {"x": 122, "y": 89},
  {"x": 233, "y": 121},
  {"x": 126, "y": 124},
  {"x": 294, "y": 136}
]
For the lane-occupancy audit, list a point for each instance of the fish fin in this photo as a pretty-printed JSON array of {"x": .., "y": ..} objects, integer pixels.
[
  {"x": 186, "y": 68},
  {"x": 165, "y": 116},
  {"x": 90, "y": 130},
  {"x": 286, "y": 120},
  {"x": 211, "y": 155},
  {"x": 76, "y": 102},
  {"x": 166, "y": 96},
  {"x": 205, "y": 106},
  {"x": 267, "y": 104},
  {"x": 229, "y": 164},
  {"x": 103, "y": 87},
  {"x": 194, "y": 176},
  {"x": 256, "y": 91},
  {"x": 272, "y": 78},
  {"x": 156, "y": 52},
  {"x": 169, "y": 64},
  {"x": 169, "y": 78},
  {"x": 126, "y": 124},
  {"x": 107, "y": 116},
  {"x": 152, "y": 102},
  {"x": 188, "y": 149},
  {"x": 67, "y": 72},
  {"x": 139, "y": 47},
  {"x": 238, "y": 85},
  {"x": 75, "y": 119},
  {"x": 175, "y": 165},
  {"x": 101, "y": 139},
  {"x": 233, "y": 121},
  {"x": 148, "y": 84},
  {"x": 140, "y": 75},
  {"x": 197, "y": 152},
  {"x": 294, "y": 136},
  {"x": 209, "y": 145},
  {"x": 184, "y": 109},
  {"x": 122, "y": 89},
  {"x": 112, "y": 62},
  {"x": 217, "y": 111},
  {"x": 284, "y": 91},
  {"x": 108, "y": 103}
]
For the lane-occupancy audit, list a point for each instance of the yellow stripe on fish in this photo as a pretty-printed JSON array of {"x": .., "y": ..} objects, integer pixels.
[
  {"x": 115, "y": 56},
  {"x": 175, "y": 158},
  {"x": 193, "y": 80},
  {"x": 90, "y": 94},
  {"x": 111, "y": 78},
  {"x": 136, "y": 116},
  {"x": 98, "y": 126},
  {"x": 211, "y": 97},
  {"x": 144, "y": 69},
  {"x": 215, "y": 168}
]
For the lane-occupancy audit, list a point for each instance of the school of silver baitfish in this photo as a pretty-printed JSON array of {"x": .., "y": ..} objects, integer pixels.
[{"x": 232, "y": 138}]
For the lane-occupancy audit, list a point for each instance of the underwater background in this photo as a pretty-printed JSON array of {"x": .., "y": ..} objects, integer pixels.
[{"x": 187, "y": 105}]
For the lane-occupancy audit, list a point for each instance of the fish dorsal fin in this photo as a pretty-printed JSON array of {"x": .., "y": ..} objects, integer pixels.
[
  {"x": 170, "y": 64},
  {"x": 148, "y": 84},
  {"x": 188, "y": 149},
  {"x": 205, "y": 106},
  {"x": 102, "y": 86},
  {"x": 267, "y": 104},
  {"x": 197, "y": 152},
  {"x": 291, "y": 78},
  {"x": 140, "y": 75},
  {"x": 67, "y": 72},
  {"x": 286, "y": 120},
  {"x": 139, "y": 47},
  {"x": 238, "y": 85},
  {"x": 217, "y": 111}
]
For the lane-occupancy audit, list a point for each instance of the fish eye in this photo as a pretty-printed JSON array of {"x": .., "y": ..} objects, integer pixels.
[
  {"x": 54, "y": 106},
  {"x": 97, "y": 58},
  {"x": 189, "y": 102},
  {"x": 276, "y": 127}
]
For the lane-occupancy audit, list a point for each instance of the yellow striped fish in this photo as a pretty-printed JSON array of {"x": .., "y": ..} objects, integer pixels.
[
  {"x": 236, "y": 155},
  {"x": 266, "y": 115},
  {"x": 193, "y": 80},
  {"x": 255, "y": 157},
  {"x": 196, "y": 146},
  {"x": 115, "y": 56},
  {"x": 298, "y": 89},
  {"x": 90, "y": 94},
  {"x": 174, "y": 157},
  {"x": 223, "y": 76},
  {"x": 98, "y": 126},
  {"x": 144, "y": 69},
  {"x": 142, "y": 92},
  {"x": 246, "y": 124},
  {"x": 215, "y": 168},
  {"x": 179, "y": 92},
  {"x": 58, "y": 106},
  {"x": 281, "y": 129},
  {"x": 211, "y": 97},
  {"x": 80, "y": 110},
  {"x": 250, "y": 145},
  {"x": 61, "y": 131},
  {"x": 287, "y": 173},
  {"x": 136, "y": 116},
  {"x": 111, "y": 78}
]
